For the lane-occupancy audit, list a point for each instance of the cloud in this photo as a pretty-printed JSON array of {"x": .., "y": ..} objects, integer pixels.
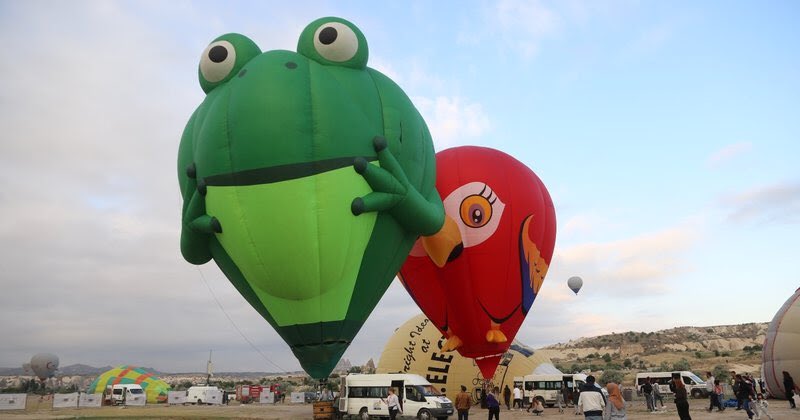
[
  {"x": 728, "y": 153},
  {"x": 523, "y": 24},
  {"x": 640, "y": 265},
  {"x": 777, "y": 203},
  {"x": 452, "y": 120}
]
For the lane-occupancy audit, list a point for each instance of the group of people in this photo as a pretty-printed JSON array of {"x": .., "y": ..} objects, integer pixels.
[{"x": 595, "y": 406}]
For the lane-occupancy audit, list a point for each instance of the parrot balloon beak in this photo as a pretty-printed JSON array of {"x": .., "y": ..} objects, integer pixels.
[{"x": 444, "y": 245}]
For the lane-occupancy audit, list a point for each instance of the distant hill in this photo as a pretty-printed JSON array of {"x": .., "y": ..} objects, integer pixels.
[{"x": 728, "y": 347}]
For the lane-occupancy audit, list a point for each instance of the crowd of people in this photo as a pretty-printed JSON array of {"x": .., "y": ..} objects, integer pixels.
[{"x": 595, "y": 403}]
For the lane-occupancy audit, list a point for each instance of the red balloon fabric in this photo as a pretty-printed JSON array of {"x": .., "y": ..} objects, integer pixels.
[{"x": 481, "y": 295}]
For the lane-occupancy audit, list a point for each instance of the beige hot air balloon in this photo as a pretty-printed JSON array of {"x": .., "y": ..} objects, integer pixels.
[
  {"x": 782, "y": 347},
  {"x": 415, "y": 347}
]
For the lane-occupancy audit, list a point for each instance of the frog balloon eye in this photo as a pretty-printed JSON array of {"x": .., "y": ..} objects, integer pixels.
[
  {"x": 336, "y": 42},
  {"x": 217, "y": 61}
]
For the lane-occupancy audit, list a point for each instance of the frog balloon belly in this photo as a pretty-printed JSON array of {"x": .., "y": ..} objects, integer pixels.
[
  {"x": 307, "y": 177},
  {"x": 270, "y": 224}
]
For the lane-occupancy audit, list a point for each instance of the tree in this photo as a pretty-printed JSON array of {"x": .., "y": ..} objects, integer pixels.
[
  {"x": 627, "y": 363},
  {"x": 682, "y": 364},
  {"x": 698, "y": 355},
  {"x": 611, "y": 376},
  {"x": 355, "y": 369},
  {"x": 607, "y": 358}
]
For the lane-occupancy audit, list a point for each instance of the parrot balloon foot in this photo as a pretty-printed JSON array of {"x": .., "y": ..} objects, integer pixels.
[
  {"x": 452, "y": 343},
  {"x": 495, "y": 336}
]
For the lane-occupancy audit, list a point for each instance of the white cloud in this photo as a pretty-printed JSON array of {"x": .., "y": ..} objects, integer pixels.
[
  {"x": 728, "y": 153},
  {"x": 452, "y": 120},
  {"x": 523, "y": 24},
  {"x": 777, "y": 203},
  {"x": 634, "y": 266}
]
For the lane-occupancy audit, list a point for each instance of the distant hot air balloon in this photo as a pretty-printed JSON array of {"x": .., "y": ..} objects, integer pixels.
[
  {"x": 575, "y": 283},
  {"x": 478, "y": 292},
  {"x": 782, "y": 346},
  {"x": 44, "y": 365},
  {"x": 306, "y": 176}
]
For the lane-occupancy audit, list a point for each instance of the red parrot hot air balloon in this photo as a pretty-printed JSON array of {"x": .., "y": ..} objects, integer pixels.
[{"x": 478, "y": 291}]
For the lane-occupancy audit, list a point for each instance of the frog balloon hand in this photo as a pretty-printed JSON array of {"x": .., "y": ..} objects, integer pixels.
[{"x": 393, "y": 192}]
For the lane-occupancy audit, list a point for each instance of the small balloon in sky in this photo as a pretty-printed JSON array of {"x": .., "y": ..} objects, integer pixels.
[{"x": 575, "y": 283}]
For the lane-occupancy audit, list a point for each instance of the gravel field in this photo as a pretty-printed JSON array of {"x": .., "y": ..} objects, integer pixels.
[{"x": 778, "y": 408}]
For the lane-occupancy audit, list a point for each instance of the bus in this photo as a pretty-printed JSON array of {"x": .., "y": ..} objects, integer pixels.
[
  {"x": 545, "y": 387},
  {"x": 695, "y": 386},
  {"x": 363, "y": 396}
]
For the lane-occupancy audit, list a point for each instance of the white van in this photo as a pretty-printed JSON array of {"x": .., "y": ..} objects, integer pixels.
[
  {"x": 361, "y": 395},
  {"x": 201, "y": 394},
  {"x": 546, "y": 387},
  {"x": 127, "y": 394},
  {"x": 695, "y": 386}
]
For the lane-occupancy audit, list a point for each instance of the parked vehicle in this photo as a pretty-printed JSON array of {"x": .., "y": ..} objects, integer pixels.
[
  {"x": 247, "y": 394},
  {"x": 126, "y": 394},
  {"x": 695, "y": 386},
  {"x": 204, "y": 395},
  {"x": 362, "y": 393},
  {"x": 545, "y": 387}
]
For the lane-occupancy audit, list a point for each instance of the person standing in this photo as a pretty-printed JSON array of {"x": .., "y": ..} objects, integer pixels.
[
  {"x": 681, "y": 396},
  {"x": 647, "y": 390},
  {"x": 463, "y": 402},
  {"x": 591, "y": 401},
  {"x": 393, "y": 403},
  {"x": 517, "y": 397},
  {"x": 616, "y": 405},
  {"x": 790, "y": 386},
  {"x": 718, "y": 395},
  {"x": 507, "y": 397},
  {"x": 657, "y": 398},
  {"x": 745, "y": 394},
  {"x": 712, "y": 397},
  {"x": 492, "y": 404}
]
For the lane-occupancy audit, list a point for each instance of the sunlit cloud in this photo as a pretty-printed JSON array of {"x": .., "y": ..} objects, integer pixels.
[
  {"x": 728, "y": 153},
  {"x": 453, "y": 120},
  {"x": 776, "y": 203}
]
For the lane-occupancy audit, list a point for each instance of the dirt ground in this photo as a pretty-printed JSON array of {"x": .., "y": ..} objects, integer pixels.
[{"x": 778, "y": 409}]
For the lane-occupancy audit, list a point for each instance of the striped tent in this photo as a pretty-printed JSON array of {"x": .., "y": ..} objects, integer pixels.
[{"x": 155, "y": 388}]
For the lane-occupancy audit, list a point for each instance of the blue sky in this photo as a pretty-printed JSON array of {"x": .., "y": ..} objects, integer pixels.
[{"x": 667, "y": 134}]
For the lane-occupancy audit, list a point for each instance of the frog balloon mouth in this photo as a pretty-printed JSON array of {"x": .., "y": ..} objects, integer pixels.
[{"x": 280, "y": 173}]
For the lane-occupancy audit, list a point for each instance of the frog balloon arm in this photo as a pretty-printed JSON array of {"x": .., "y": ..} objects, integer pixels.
[
  {"x": 393, "y": 192},
  {"x": 196, "y": 231}
]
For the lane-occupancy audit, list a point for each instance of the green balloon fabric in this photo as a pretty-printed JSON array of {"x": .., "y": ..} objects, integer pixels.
[{"x": 307, "y": 176}]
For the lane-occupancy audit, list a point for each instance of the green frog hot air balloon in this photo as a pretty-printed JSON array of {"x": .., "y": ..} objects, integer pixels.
[{"x": 307, "y": 176}]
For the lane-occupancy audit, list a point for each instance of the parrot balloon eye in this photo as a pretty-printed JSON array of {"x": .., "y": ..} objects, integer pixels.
[
  {"x": 480, "y": 211},
  {"x": 217, "y": 61},
  {"x": 336, "y": 42}
]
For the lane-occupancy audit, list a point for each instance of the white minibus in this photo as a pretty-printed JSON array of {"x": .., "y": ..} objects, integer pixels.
[
  {"x": 545, "y": 387},
  {"x": 695, "y": 386},
  {"x": 362, "y": 395}
]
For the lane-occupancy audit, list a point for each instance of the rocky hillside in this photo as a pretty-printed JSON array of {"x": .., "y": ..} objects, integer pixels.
[{"x": 716, "y": 348}]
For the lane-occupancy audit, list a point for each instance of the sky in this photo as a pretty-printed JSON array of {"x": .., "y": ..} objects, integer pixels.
[{"x": 666, "y": 132}]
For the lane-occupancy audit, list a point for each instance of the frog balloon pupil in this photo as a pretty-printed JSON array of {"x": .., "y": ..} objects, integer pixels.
[
  {"x": 218, "y": 54},
  {"x": 328, "y": 35}
]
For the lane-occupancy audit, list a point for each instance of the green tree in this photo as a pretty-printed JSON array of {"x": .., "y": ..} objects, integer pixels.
[
  {"x": 698, "y": 355},
  {"x": 611, "y": 376},
  {"x": 607, "y": 358},
  {"x": 627, "y": 363},
  {"x": 682, "y": 364}
]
